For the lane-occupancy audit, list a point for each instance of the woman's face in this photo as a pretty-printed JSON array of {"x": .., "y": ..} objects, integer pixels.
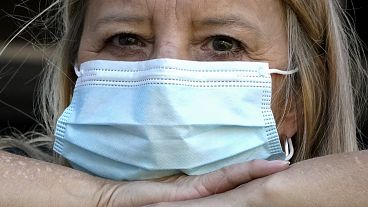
[{"x": 202, "y": 30}]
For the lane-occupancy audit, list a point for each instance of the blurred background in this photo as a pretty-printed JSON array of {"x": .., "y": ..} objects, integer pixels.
[{"x": 21, "y": 64}]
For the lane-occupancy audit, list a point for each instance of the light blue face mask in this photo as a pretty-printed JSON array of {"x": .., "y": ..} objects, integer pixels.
[{"x": 155, "y": 118}]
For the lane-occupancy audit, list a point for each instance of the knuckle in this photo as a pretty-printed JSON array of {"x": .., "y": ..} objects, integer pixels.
[
  {"x": 106, "y": 196},
  {"x": 203, "y": 187},
  {"x": 253, "y": 163},
  {"x": 225, "y": 171},
  {"x": 226, "y": 177}
]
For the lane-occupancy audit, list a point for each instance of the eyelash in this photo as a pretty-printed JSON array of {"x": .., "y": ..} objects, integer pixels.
[
  {"x": 125, "y": 51},
  {"x": 111, "y": 38},
  {"x": 240, "y": 49}
]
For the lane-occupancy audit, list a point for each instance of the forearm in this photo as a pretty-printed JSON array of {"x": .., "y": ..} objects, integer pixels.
[
  {"x": 28, "y": 182},
  {"x": 336, "y": 180}
]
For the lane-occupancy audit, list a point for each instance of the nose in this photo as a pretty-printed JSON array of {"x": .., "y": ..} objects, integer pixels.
[
  {"x": 171, "y": 46},
  {"x": 172, "y": 30}
]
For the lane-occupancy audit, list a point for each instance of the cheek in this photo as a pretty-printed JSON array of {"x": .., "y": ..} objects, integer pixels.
[
  {"x": 88, "y": 50},
  {"x": 84, "y": 56},
  {"x": 277, "y": 101}
]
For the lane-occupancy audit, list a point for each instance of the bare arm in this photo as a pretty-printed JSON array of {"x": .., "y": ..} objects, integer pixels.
[
  {"x": 28, "y": 182},
  {"x": 338, "y": 180}
]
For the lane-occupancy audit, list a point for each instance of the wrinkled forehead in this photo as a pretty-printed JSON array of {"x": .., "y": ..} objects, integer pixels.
[{"x": 251, "y": 12}]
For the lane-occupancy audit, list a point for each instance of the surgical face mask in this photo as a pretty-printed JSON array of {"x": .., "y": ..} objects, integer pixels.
[{"x": 155, "y": 118}]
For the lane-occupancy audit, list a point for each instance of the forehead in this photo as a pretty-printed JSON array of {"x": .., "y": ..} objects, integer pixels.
[{"x": 257, "y": 11}]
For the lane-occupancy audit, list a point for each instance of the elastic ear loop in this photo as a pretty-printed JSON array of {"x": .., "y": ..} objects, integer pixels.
[
  {"x": 77, "y": 71},
  {"x": 283, "y": 72},
  {"x": 289, "y": 148},
  {"x": 289, "y": 152}
]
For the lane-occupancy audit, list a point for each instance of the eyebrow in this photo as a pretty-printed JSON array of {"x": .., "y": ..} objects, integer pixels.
[
  {"x": 120, "y": 18},
  {"x": 136, "y": 19},
  {"x": 228, "y": 21}
]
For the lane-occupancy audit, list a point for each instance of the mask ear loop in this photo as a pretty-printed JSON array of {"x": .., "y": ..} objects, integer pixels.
[
  {"x": 283, "y": 72},
  {"x": 289, "y": 152},
  {"x": 77, "y": 71}
]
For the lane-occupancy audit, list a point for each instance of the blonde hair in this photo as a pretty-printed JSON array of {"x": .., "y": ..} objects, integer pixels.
[{"x": 322, "y": 44}]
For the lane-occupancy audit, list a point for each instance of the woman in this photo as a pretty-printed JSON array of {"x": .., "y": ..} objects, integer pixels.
[{"x": 315, "y": 106}]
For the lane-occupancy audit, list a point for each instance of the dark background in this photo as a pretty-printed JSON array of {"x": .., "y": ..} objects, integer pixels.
[
  {"x": 20, "y": 68},
  {"x": 21, "y": 64}
]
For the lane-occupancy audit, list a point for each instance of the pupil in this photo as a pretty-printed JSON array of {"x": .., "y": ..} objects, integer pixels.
[
  {"x": 222, "y": 44},
  {"x": 127, "y": 41}
]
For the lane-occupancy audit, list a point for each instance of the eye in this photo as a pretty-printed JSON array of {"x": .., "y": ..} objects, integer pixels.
[
  {"x": 221, "y": 48},
  {"x": 126, "y": 40},
  {"x": 222, "y": 43},
  {"x": 128, "y": 46}
]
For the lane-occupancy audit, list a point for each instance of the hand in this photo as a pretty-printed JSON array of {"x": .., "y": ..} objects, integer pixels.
[
  {"x": 179, "y": 188},
  {"x": 250, "y": 194},
  {"x": 337, "y": 180}
]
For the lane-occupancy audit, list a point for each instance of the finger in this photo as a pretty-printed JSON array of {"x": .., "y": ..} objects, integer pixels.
[
  {"x": 215, "y": 200},
  {"x": 231, "y": 177},
  {"x": 181, "y": 188},
  {"x": 138, "y": 193},
  {"x": 239, "y": 197}
]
